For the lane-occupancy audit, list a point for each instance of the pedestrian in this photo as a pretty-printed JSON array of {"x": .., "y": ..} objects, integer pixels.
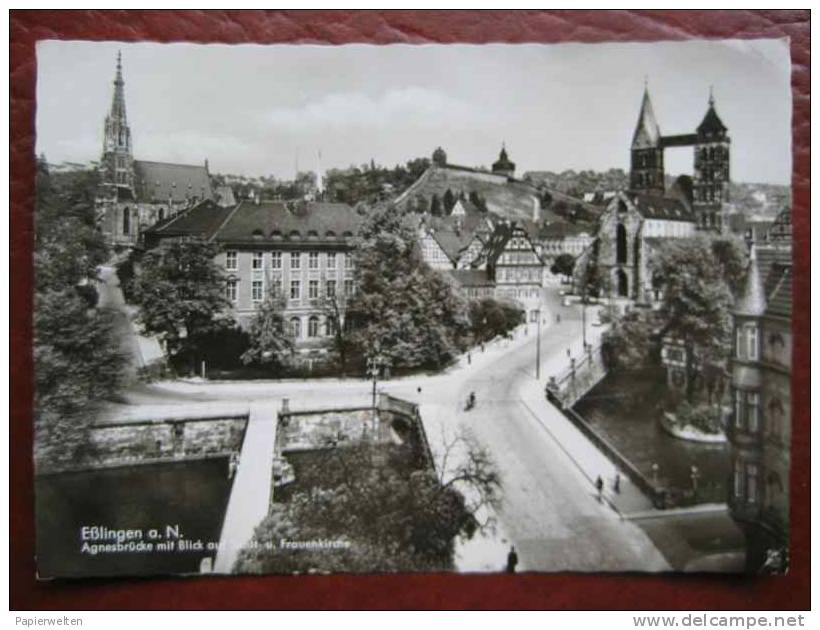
[
  {"x": 558, "y": 318},
  {"x": 512, "y": 560},
  {"x": 599, "y": 484},
  {"x": 568, "y": 353},
  {"x": 469, "y": 359},
  {"x": 617, "y": 485},
  {"x": 418, "y": 389}
]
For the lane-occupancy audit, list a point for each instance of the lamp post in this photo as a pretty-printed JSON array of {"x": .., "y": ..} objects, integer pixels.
[
  {"x": 584, "y": 315},
  {"x": 538, "y": 348},
  {"x": 374, "y": 365}
]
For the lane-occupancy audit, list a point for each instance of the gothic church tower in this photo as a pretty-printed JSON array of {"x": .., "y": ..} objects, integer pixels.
[
  {"x": 117, "y": 162},
  {"x": 710, "y": 185},
  {"x": 646, "y": 172}
]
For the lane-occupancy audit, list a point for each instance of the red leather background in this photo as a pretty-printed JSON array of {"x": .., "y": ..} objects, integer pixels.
[{"x": 533, "y": 591}]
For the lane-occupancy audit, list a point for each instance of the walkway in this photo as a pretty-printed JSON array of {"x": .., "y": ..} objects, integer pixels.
[
  {"x": 142, "y": 350},
  {"x": 251, "y": 493}
]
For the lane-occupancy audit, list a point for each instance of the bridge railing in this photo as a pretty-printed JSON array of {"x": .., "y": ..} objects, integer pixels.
[{"x": 583, "y": 373}]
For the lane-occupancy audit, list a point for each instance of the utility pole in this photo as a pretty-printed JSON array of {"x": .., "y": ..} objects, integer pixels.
[
  {"x": 584, "y": 316},
  {"x": 374, "y": 365},
  {"x": 538, "y": 349}
]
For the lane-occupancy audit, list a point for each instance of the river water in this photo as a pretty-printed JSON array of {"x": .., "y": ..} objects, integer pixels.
[
  {"x": 192, "y": 495},
  {"x": 624, "y": 408}
]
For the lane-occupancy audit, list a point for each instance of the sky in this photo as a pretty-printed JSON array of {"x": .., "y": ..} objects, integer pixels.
[{"x": 264, "y": 110}]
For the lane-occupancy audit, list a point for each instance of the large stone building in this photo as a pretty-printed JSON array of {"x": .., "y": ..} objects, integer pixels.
[
  {"x": 299, "y": 251},
  {"x": 134, "y": 194},
  {"x": 638, "y": 220},
  {"x": 760, "y": 426}
]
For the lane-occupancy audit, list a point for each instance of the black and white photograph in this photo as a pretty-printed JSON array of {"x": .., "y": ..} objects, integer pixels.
[{"x": 496, "y": 308}]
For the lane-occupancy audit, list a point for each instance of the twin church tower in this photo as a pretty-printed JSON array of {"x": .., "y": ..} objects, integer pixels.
[{"x": 710, "y": 180}]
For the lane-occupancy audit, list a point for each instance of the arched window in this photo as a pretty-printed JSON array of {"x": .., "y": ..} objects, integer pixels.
[
  {"x": 623, "y": 283},
  {"x": 296, "y": 327},
  {"x": 330, "y": 326},
  {"x": 126, "y": 221},
  {"x": 313, "y": 326},
  {"x": 620, "y": 248}
]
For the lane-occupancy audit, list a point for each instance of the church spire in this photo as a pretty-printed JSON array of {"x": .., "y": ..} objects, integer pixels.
[
  {"x": 118, "y": 101},
  {"x": 117, "y": 161},
  {"x": 647, "y": 132}
]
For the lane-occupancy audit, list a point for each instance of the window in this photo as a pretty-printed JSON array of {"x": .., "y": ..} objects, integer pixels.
[
  {"x": 231, "y": 261},
  {"x": 747, "y": 344},
  {"x": 330, "y": 288},
  {"x": 752, "y": 411},
  {"x": 276, "y": 260},
  {"x": 295, "y": 290},
  {"x": 349, "y": 289},
  {"x": 296, "y": 327},
  {"x": 348, "y": 261},
  {"x": 256, "y": 291},
  {"x": 230, "y": 291},
  {"x": 295, "y": 260},
  {"x": 126, "y": 222},
  {"x": 331, "y": 260},
  {"x": 313, "y": 289},
  {"x": 751, "y": 341},
  {"x": 330, "y": 326},
  {"x": 256, "y": 261},
  {"x": 276, "y": 288},
  {"x": 313, "y": 326},
  {"x": 747, "y": 411},
  {"x": 738, "y": 480},
  {"x": 313, "y": 260},
  {"x": 751, "y": 483}
]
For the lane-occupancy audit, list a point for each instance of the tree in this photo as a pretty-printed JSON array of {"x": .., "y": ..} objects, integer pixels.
[
  {"x": 730, "y": 253},
  {"x": 632, "y": 342},
  {"x": 435, "y": 206},
  {"x": 181, "y": 294},
  {"x": 270, "y": 341},
  {"x": 696, "y": 308},
  {"x": 564, "y": 264},
  {"x": 490, "y": 318},
  {"x": 335, "y": 310},
  {"x": 449, "y": 201},
  {"x": 393, "y": 513},
  {"x": 409, "y": 311},
  {"x": 478, "y": 201},
  {"x": 76, "y": 349}
]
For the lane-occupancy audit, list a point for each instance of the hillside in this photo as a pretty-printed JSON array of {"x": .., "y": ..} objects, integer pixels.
[{"x": 511, "y": 199}]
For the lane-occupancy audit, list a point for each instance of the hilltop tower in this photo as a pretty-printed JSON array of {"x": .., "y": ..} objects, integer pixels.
[
  {"x": 646, "y": 170},
  {"x": 711, "y": 178},
  {"x": 503, "y": 165},
  {"x": 117, "y": 161}
]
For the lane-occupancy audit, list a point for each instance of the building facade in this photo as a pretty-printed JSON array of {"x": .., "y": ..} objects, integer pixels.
[
  {"x": 135, "y": 194},
  {"x": 760, "y": 425},
  {"x": 299, "y": 252},
  {"x": 710, "y": 177}
]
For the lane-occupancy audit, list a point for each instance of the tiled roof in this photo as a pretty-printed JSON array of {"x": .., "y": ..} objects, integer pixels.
[
  {"x": 201, "y": 220},
  {"x": 663, "y": 208},
  {"x": 471, "y": 277},
  {"x": 711, "y": 122},
  {"x": 752, "y": 298},
  {"x": 316, "y": 220},
  {"x": 452, "y": 242},
  {"x": 561, "y": 229},
  {"x": 647, "y": 133},
  {"x": 161, "y": 181},
  {"x": 779, "y": 290}
]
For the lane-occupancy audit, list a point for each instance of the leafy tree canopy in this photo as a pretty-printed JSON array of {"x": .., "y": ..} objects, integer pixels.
[
  {"x": 181, "y": 292},
  {"x": 409, "y": 311}
]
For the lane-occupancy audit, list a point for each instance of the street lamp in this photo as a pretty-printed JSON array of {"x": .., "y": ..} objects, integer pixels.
[
  {"x": 538, "y": 348},
  {"x": 375, "y": 363}
]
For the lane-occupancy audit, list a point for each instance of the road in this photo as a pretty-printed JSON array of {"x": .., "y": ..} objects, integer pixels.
[{"x": 550, "y": 510}]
